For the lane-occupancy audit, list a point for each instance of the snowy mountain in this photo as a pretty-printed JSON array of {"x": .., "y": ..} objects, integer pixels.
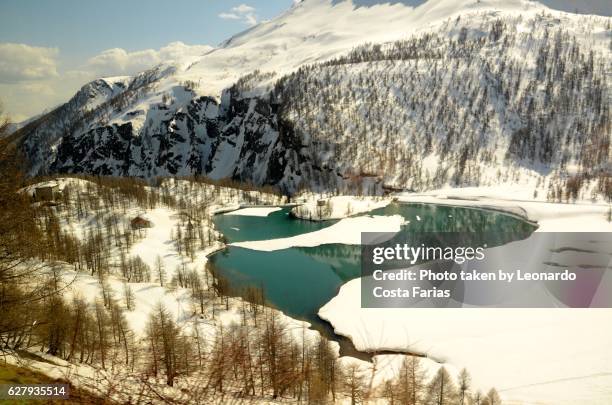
[
  {"x": 346, "y": 94},
  {"x": 15, "y": 126},
  {"x": 45, "y": 132}
]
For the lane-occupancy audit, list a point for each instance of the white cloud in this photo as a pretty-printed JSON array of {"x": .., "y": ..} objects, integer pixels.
[
  {"x": 229, "y": 16},
  {"x": 243, "y": 12},
  {"x": 243, "y": 9},
  {"x": 175, "y": 49},
  {"x": 250, "y": 19},
  {"x": 21, "y": 62},
  {"x": 30, "y": 81},
  {"x": 41, "y": 89},
  {"x": 118, "y": 61}
]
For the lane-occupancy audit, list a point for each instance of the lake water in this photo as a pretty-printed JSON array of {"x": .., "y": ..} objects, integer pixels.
[
  {"x": 299, "y": 281},
  {"x": 240, "y": 228}
]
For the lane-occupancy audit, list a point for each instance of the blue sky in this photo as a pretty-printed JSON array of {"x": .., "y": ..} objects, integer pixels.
[
  {"x": 44, "y": 41},
  {"x": 86, "y": 27}
]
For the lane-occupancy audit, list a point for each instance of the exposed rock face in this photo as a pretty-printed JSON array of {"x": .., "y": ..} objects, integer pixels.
[
  {"x": 240, "y": 139},
  {"x": 43, "y": 134}
]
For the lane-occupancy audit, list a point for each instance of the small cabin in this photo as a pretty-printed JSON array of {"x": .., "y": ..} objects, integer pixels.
[
  {"x": 389, "y": 189},
  {"x": 140, "y": 223},
  {"x": 46, "y": 192},
  {"x": 321, "y": 203}
]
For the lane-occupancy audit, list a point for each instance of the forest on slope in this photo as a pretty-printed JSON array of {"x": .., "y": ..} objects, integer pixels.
[
  {"x": 477, "y": 100},
  {"x": 224, "y": 349}
]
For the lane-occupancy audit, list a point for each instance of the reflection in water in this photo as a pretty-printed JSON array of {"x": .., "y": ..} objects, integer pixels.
[
  {"x": 440, "y": 218},
  {"x": 240, "y": 228},
  {"x": 344, "y": 260},
  {"x": 299, "y": 281}
]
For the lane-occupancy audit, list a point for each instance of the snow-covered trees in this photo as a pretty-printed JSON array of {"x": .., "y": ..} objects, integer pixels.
[
  {"x": 440, "y": 108},
  {"x": 451, "y": 105}
]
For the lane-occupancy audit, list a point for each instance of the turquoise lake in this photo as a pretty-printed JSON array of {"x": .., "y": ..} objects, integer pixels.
[{"x": 299, "y": 281}]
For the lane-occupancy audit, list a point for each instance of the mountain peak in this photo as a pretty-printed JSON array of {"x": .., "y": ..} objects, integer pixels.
[
  {"x": 597, "y": 7},
  {"x": 316, "y": 30}
]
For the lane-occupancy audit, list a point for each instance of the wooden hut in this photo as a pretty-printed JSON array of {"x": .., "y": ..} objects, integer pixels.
[{"x": 140, "y": 223}]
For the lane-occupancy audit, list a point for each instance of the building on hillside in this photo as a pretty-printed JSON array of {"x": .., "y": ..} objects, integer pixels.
[
  {"x": 140, "y": 223},
  {"x": 390, "y": 189},
  {"x": 47, "y": 192}
]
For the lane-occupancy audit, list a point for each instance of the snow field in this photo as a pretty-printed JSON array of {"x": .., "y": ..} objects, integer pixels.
[
  {"x": 254, "y": 211},
  {"x": 532, "y": 356}
]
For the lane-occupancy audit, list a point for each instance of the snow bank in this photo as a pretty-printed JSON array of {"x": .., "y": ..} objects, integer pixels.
[
  {"x": 337, "y": 207},
  {"x": 254, "y": 211},
  {"x": 347, "y": 231},
  {"x": 158, "y": 242},
  {"x": 60, "y": 182},
  {"x": 528, "y": 354},
  {"x": 544, "y": 356}
]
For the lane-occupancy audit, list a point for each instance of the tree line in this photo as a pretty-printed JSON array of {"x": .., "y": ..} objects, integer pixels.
[
  {"x": 437, "y": 108},
  {"x": 258, "y": 357}
]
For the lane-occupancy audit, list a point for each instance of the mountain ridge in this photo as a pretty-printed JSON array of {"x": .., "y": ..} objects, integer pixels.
[{"x": 222, "y": 114}]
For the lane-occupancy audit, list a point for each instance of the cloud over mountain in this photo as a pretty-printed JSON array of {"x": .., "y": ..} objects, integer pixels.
[
  {"x": 118, "y": 61},
  {"x": 243, "y": 12},
  {"x": 21, "y": 62}
]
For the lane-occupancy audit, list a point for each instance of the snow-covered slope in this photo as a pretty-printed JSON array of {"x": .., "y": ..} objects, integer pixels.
[
  {"x": 318, "y": 30},
  {"x": 513, "y": 84}
]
